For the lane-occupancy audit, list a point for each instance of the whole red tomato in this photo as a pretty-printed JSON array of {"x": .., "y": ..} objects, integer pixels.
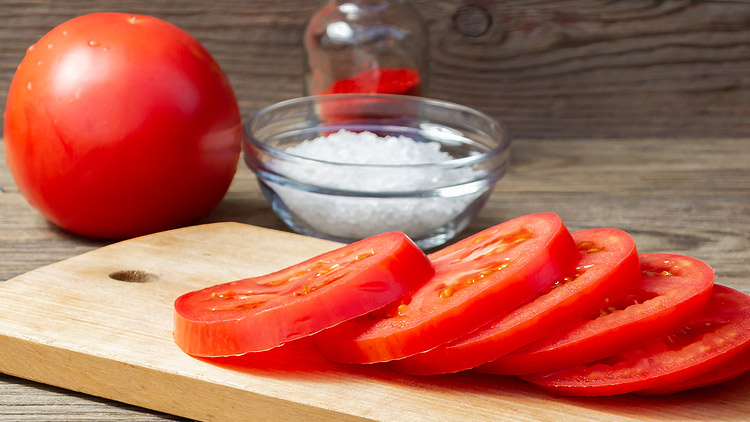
[{"x": 119, "y": 125}]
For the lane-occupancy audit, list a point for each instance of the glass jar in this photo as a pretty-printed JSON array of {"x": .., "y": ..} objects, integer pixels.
[{"x": 366, "y": 46}]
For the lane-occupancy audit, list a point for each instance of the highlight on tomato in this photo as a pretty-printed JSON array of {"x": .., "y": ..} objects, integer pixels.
[
  {"x": 118, "y": 125},
  {"x": 475, "y": 279},
  {"x": 608, "y": 267},
  {"x": 260, "y": 313},
  {"x": 673, "y": 289},
  {"x": 709, "y": 340}
]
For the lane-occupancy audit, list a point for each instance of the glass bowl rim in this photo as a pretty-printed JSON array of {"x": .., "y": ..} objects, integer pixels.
[{"x": 503, "y": 142}]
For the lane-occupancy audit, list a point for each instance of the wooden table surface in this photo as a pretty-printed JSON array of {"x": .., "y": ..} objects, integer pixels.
[
  {"x": 633, "y": 115},
  {"x": 684, "y": 196}
]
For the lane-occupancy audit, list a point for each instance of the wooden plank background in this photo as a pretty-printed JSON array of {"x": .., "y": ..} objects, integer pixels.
[
  {"x": 567, "y": 76},
  {"x": 549, "y": 68}
]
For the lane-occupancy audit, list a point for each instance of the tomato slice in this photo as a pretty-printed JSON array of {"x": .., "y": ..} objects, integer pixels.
[
  {"x": 673, "y": 288},
  {"x": 608, "y": 267},
  {"x": 730, "y": 369},
  {"x": 475, "y": 280},
  {"x": 260, "y": 313},
  {"x": 703, "y": 344}
]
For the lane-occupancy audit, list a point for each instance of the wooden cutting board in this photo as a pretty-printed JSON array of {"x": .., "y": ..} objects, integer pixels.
[{"x": 73, "y": 324}]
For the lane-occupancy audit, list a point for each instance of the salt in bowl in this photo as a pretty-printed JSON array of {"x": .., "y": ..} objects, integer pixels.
[{"x": 345, "y": 167}]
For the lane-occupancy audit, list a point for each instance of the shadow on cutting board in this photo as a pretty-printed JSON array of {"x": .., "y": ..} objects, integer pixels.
[{"x": 301, "y": 360}]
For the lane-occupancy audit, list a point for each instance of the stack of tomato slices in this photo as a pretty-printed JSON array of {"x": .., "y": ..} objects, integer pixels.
[{"x": 576, "y": 314}]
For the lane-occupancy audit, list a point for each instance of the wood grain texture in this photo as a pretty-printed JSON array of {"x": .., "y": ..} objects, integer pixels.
[
  {"x": 71, "y": 324},
  {"x": 673, "y": 195},
  {"x": 550, "y": 69},
  {"x": 571, "y": 74}
]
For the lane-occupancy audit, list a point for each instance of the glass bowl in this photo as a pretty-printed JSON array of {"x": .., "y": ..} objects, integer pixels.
[{"x": 333, "y": 198}]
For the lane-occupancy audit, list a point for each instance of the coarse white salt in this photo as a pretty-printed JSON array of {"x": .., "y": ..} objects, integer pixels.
[
  {"x": 380, "y": 169},
  {"x": 368, "y": 148}
]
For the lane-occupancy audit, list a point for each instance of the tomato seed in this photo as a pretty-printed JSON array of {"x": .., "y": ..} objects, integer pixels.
[
  {"x": 479, "y": 239},
  {"x": 364, "y": 256},
  {"x": 587, "y": 244},
  {"x": 446, "y": 293},
  {"x": 500, "y": 248},
  {"x": 223, "y": 296}
]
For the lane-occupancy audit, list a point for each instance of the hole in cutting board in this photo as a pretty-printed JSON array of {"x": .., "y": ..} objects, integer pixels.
[{"x": 133, "y": 276}]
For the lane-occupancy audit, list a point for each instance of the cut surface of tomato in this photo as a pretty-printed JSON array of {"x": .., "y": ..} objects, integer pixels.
[
  {"x": 701, "y": 345},
  {"x": 475, "y": 280},
  {"x": 673, "y": 288},
  {"x": 608, "y": 267},
  {"x": 260, "y": 313}
]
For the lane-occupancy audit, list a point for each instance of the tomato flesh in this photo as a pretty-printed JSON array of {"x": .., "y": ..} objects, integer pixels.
[
  {"x": 703, "y": 344},
  {"x": 608, "y": 267},
  {"x": 673, "y": 288},
  {"x": 260, "y": 313},
  {"x": 475, "y": 279}
]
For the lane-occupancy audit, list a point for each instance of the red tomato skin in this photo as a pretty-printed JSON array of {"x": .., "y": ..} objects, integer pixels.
[
  {"x": 118, "y": 125},
  {"x": 430, "y": 320},
  {"x": 586, "y": 341},
  {"x": 608, "y": 267},
  {"x": 729, "y": 369},
  {"x": 654, "y": 364},
  {"x": 300, "y": 300}
]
